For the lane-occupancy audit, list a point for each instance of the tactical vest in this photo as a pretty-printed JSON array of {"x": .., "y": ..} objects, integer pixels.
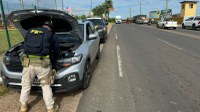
[{"x": 37, "y": 42}]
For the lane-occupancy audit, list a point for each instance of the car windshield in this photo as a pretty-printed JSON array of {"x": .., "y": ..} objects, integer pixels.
[{"x": 96, "y": 21}]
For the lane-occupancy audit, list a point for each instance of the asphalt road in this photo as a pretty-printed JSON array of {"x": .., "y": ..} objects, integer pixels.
[
  {"x": 145, "y": 69},
  {"x": 142, "y": 69}
]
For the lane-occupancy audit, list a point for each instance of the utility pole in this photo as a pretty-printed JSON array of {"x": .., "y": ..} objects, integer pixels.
[
  {"x": 130, "y": 11},
  {"x": 91, "y": 5},
  {"x": 62, "y": 6},
  {"x": 37, "y": 4},
  {"x": 5, "y": 23},
  {"x": 44, "y": 3},
  {"x": 32, "y": 6},
  {"x": 22, "y": 4},
  {"x": 8, "y": 7},
  {"x": 166, "y": 7},
  {"x": 140, "y": 8},
  {"x": 56, "y": 4}
]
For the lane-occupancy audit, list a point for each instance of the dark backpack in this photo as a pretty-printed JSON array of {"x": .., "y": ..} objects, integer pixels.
[{"x": 37, "y": 42}]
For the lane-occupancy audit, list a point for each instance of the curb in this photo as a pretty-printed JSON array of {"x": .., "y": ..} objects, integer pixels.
[{"x": 1, "y": 81}]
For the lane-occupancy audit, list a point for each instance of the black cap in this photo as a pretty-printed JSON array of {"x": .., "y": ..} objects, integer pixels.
[{"x": 48, "y": 23}]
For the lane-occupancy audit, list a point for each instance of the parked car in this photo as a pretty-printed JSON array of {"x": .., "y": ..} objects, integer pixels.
[
  {"x": 100, "y": 26},
  {"x": 79, "y": 44},
  {"x": 167, "y": 23},
  {"x": 140, "y": 19},
  {"x": 193, "y": 22}
]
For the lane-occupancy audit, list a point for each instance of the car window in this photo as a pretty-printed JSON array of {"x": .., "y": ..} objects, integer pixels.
[
  {"x": 88, "y": 30},
  {"x": 96, "y": 21},
  {"x": 189, "y": 19},
  {"x": 92, "y": 27},
  {"x": 197, "y": 18}
]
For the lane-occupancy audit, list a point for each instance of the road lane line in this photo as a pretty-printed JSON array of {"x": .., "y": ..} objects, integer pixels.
[
  {"x": 116, "y": 36},
  {"x": 119, "y": 62},
  {"x": 167, "y": 43},
  {"x": 101, "y": 47},
  {"x": 175, "y": 32}
]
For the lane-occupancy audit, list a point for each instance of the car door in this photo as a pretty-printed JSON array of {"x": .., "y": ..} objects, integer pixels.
[
  {"x": 187, "y": 21},
  {"x": 190, "y": 22},
  {"x": 92, "y": 47}
]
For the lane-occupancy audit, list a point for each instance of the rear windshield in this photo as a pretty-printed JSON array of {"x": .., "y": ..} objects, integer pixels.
[{"x": 96, "y": 21}]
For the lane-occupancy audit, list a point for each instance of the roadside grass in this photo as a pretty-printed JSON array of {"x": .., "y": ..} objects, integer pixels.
[
  {"x": 15, "y": 37},
  {"x": 3, "y": 90}
]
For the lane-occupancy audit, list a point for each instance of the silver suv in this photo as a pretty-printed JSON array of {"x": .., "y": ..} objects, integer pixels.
[{"x": 79, "y": 44}]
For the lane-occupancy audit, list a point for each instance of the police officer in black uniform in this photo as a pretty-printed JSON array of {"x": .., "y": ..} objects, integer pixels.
[{"x": 41, "y": 50}]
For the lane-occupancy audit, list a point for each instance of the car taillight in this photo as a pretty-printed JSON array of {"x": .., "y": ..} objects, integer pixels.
[{"x": 199, "y": 22}]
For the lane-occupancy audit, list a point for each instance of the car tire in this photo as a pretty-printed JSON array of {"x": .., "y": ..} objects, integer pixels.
[
  {"x": 87, "y": 75},
  {"x": 157, "y": 26},
  {"x": 193, "y": 27},
  {"x": 183, "y": 26},
  {"x": 174, "y": 28},
  {"x": 163, "y": 26},
  {"x": 104, "y": 39},
  {"x": 99, "y": 53}
]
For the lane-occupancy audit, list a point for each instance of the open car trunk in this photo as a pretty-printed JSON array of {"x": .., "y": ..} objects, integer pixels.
[{"x": 66, "y": 29}]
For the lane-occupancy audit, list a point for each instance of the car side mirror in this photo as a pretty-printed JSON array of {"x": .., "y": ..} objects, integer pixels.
[{"x": 93, "y": 36}]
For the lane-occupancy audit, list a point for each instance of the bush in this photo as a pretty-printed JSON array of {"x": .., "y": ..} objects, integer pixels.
[
  {"x": 111, "y": 20},
  {"x": 178, "y": 19}
]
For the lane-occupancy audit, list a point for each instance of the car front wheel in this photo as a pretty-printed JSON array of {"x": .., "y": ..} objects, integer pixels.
[
  {"x": 183, "y": 26},
  {"x": 163, "y": 26},
  {"x": 157, "y": 26},
  {"x": 87, "y": 75},
  {"x": 193, "y": 27}
]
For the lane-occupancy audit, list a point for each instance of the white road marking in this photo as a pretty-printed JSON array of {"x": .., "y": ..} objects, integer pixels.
[
  {"x": 101, "y": 47},
  {"x": 172, "y": 102},
  {"x": 167, "y": 43},
  {"x": 119, "y": 62},
  {"x": 116, "y": 36}
]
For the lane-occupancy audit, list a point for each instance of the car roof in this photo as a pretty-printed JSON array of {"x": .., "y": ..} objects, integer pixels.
[
  {"x": 83, "y": 22},
  {"x": 95, "y": 18}
]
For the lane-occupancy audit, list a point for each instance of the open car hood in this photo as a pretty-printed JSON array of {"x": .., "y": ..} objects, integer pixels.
[{"x": 62, "y": 22}]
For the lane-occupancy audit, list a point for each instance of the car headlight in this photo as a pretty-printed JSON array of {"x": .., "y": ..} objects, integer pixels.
[
  {"x": 70, "y": 61},
  {"x": 6, "y": 60}
]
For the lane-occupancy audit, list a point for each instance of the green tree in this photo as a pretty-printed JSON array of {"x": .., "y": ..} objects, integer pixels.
[{"x": 103, "y": 8}]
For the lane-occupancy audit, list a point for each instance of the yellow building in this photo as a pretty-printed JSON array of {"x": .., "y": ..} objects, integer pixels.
[{"x": 188, "y": 8}]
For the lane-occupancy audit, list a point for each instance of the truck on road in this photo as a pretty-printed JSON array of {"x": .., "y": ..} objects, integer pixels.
[{"x": 118, "y": 19}]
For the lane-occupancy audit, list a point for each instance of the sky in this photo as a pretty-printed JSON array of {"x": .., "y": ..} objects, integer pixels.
[{"x": 121, "y": 7}]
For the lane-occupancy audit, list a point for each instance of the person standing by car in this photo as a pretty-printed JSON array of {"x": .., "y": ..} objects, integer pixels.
[{"x": 39, "y": 47}]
